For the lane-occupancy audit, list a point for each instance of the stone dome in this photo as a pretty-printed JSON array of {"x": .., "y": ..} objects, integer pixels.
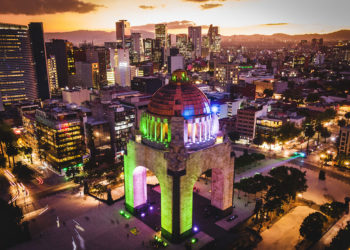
[{"x": 179, "y": 98}]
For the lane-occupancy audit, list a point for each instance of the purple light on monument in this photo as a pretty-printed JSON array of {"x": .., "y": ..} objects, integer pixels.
[
  {"x": 151, "y": 208},
  {"x": 195, "y": 229},
  {"x": 140, "y": 186},
  {"x": 143, "y": 215}
]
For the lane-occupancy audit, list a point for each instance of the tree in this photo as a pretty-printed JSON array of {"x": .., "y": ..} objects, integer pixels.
[
  {"x": 270, "y": 140},
  {"x": 23, "y": 172},
  {"x": 286, "y": 182},
  {"x": 29, "y": 151},
  {"x": 341, "y": 240},
  {"x": 2, "y": 162},
  {"x": 11, "y": 229},
  {"x": 341, "y": 123},
  {"x": 334, "y": 209},
  {"x": 309, "y": 132},
  {"x": 258, "y": 140},
  {"x": 234, "y": 136},
  {"x": 72, "y": 171},
  {"x": 268, "y": 92},
  {"x": 287, "y": 132},
  {"x": 329, "y": 114},
  {"x": 312, "y": 97},
  {"x": 4, "y": 186},
  {"x": 11, "y": 151},
  {"x": 347, "y": 116},
  {"x": 318, "y": 129},
  {"x": 6, "y": 136},
  {"x": 312, "y": 226},
  {"x": 325, "y": 133}
]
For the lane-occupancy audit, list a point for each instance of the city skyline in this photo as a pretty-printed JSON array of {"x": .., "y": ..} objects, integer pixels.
[{"x": 233, "y": 17}]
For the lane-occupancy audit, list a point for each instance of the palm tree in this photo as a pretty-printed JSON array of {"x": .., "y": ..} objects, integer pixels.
[
  {"x": 325, "y": 134},
  {"x": 341, "y": 123},
  {"x": 309, "y": 132},
  {"x": 2, "y": 162},
  {"x": 11, "y": 151},
  {"x": 6, "y": 136},
  {"x": 318, "y": 128}
]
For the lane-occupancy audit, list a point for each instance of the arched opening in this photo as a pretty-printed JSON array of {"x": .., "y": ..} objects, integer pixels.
[
  {"x": 210, "y": 186},
  {"x": 142, "y": 178}
]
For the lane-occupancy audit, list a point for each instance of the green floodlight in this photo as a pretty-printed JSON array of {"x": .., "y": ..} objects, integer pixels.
[{"x": 194, "y": 240}]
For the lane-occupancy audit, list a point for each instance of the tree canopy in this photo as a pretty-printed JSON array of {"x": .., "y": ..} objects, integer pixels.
[{"x": 311, "y": 228}]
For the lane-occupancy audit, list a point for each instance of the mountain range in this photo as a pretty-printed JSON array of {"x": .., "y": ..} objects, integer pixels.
[{"x": 99, "y": 37}]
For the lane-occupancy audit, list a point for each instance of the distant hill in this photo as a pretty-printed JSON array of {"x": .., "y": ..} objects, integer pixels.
[
  {"x": 96, "y": 36},
  {"x": 99, "y": 37},
  {"x": 337, "y": 35}
]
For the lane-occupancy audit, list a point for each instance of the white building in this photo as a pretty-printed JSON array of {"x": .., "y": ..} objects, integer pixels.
[
  {"x": 175, "y": 62},
  {"x": 121, "y": 65}
]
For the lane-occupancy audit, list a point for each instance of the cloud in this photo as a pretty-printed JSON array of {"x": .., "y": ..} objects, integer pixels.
[
  {"x": 39, "y": 7},
  {"x": 147, "y": 7},
  {"x": 197, "y": 1},
  {"x": 273, "y": 24},
  {"x": 205, "y": 1},
  {"x": 210, "y": 6}
]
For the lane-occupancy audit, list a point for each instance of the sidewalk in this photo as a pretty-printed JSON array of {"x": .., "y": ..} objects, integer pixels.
[{"x": 327, "y": 237}]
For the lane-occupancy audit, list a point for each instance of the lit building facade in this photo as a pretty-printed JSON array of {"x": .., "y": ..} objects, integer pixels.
[
  {"x": 266, "y": 126},
  {"x": 226, "y": 73},
  {"x": 52, "y": 73},
  {"x": 344, "y": 144},
  {"x": 123, "y": 32},
  {"x": 161, "y": 32},
  {"x": 178, "y": 141},
  {"x": 17, "y": 74},
  {"x": 60, "y": 137},
  {"x": 195, "y": 37}
]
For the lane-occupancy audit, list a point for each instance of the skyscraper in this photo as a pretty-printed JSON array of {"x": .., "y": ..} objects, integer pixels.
[
  {"x": 121, "y": 65},
  {"x": 57, "y": 48},
  {"x": 161, "y": 32},
  {"x": 17, "y": 74},
  {"x": 137, "y": 51},
  {"x": 52, "y": 73},
  {"x": 214, "y": 38},
  {"x": 195, "y": 37},
  {"x": 36, "y": 34},
  {"x": 123, "y": 32}
]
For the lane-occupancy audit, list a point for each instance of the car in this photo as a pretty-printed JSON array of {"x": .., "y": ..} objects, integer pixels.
[{"x": 232, "y": 218}]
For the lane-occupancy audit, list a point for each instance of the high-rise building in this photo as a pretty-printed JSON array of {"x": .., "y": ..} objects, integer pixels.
[
  {"x": 214, "y": 38},
  {"x": 123, "y": 32},
  {"x": 195, "y": 37},
  {"x": 148, "y": 45},
  {"x": 36, "y": 33},
  {"x": 161, "y": 32},
  {"x": 136, "y": 50},
  {"x": 121, "y": 66},
  {"x": 88, "y": 74},
  {"x": 57, "y": 48},
  {"x": 17, "y": 74},
  {"x": 52, "y": 73}
]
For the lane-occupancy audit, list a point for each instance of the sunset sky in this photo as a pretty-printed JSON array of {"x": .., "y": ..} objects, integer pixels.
[{"x": 233, "y": 16}]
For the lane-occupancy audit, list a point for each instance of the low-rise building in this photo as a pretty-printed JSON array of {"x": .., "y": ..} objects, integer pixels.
[{"x": 60, "y": 137}]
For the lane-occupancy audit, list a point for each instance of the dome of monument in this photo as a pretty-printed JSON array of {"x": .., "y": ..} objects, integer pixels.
[{"x": 179, "y": 98}]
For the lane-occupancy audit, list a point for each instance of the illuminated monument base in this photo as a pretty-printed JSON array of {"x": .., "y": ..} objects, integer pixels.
[{"x": 177, "y": 169}]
